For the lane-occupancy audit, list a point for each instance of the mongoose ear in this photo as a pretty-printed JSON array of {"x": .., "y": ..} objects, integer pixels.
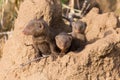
[
  {"x": 42, "y": 17},
  {"x": 56, "y": 37},
  {"x": 35, "y": 18}
]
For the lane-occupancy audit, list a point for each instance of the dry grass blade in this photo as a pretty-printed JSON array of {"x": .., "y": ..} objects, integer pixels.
[{"x": 8, "y": 14}]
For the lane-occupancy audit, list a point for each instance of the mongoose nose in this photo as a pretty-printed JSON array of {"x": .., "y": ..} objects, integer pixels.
[{"x": 24, "y": 32}]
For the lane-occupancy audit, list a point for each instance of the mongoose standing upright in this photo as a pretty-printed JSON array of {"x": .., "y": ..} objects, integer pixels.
[
  {"x": 78, "y": 35},
  {"x": 63, "y": 41},
  {"x": 43, "y": 37}
]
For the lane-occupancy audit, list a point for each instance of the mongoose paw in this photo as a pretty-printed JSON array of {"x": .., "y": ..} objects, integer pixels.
[
  {"x": 38, "y": 57},
  {"x": 54, "y": 56},
  {"x": 62, "y": 54}
]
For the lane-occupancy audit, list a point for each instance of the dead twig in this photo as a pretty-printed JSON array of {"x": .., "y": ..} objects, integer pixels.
[
  {"x": 65, "y": 6},
  {"x": 2, "y": 33},
  {"x": 33, "y": 60}
]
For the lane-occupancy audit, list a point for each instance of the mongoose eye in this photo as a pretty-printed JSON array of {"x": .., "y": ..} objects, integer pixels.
[{"x": 41, "y": 26}]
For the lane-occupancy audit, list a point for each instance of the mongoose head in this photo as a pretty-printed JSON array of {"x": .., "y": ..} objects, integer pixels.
[
  {"x": 63, "y": 40},
  {"x": 78, "y": 27},
  {"x": 35, "y": 27}
]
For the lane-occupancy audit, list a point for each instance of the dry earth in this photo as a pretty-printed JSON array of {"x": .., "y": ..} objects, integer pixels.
[{"x": 100, "y": 59}]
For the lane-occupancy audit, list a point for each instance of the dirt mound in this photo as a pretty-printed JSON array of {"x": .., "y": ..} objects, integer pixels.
[
  {"x": 98, "y": 25},
  {"x": 100, "y": 60}
]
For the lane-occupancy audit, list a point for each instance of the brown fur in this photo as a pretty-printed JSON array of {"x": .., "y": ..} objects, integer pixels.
[
  {"x": 63, "y": 41},
  {"x": 43, "y": 37},
  {"x": 78, "y": 35}
]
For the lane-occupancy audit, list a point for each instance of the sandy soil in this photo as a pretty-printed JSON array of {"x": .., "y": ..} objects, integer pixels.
[{"x": 99, "y": 60}]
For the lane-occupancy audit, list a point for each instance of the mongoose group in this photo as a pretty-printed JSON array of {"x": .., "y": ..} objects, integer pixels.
[{"x": 46, "y": 42}]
